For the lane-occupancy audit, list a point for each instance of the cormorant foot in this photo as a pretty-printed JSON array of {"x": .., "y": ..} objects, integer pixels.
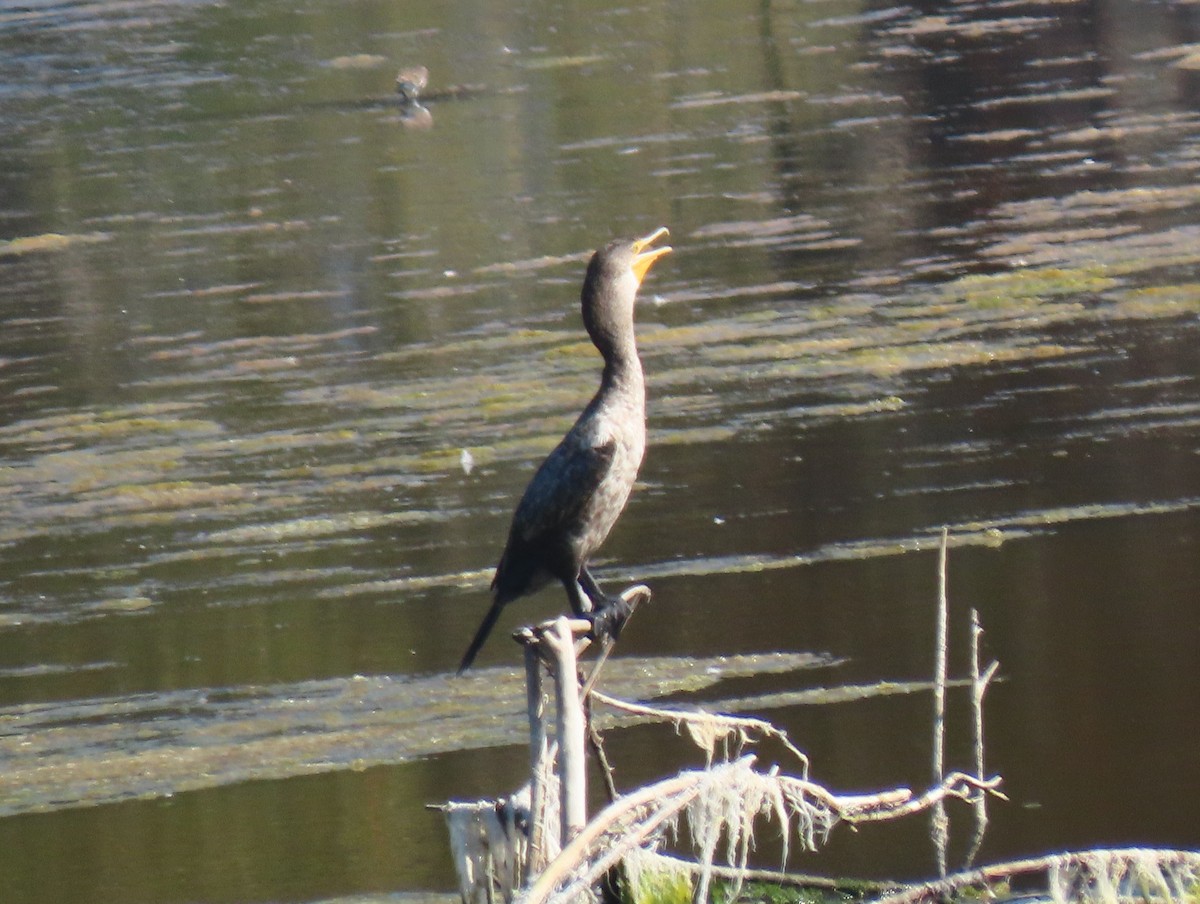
[{"x": 608, "y": 620}]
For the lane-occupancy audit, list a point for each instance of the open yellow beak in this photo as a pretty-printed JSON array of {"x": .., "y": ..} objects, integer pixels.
[{"x": 643, "y": 259}]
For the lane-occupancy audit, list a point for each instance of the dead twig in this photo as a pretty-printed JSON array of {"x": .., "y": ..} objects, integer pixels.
[
  {"x": 707, "y": 728},
  {"x": 596, "y": 745},
  {"x": 979, "y": 684},
  {"x": 939, "y": 822}
]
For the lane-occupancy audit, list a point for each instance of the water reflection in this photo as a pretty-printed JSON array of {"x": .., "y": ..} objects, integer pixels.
[{"x": 933, "y": 267}]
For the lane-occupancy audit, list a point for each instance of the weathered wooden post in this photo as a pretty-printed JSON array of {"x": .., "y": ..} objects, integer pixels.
[
  {"x": 490, "y": 846},
  {"x": 572, "y": 730},
  {"x": 539, "y": 752}
]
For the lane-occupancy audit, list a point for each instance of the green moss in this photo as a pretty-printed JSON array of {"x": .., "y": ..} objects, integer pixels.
[
  {"x": 771, "y": 893},
  {"x": 651, "y": 879},
  {"x": 1028, "y": 285},
  {"x": 661, "y": 888},
  {"x": 1161, "y": 301}
]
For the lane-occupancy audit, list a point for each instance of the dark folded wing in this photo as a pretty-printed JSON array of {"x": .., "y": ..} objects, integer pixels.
[
  {"x": 551, "y": 510},
  {"x": 556, "y": 499}
]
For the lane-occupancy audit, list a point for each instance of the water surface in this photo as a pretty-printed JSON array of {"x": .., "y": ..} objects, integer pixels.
[{"x": 932, "y": 269}]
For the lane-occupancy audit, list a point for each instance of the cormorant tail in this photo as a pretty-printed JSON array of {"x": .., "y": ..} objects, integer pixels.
[{"x": 489, "y": 622}]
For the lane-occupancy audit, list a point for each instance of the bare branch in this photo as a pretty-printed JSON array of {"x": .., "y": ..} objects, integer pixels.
[
  {"x": 723, "y": 802},
  {"x": 979, "y": 684},
  {"x": 1089, "y": 876},
  {"x": 939, "y": 826},
  {"x": 720, "y": 725}
]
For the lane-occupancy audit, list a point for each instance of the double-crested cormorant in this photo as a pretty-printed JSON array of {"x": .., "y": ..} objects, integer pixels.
[{"x": 581, "y": 488}]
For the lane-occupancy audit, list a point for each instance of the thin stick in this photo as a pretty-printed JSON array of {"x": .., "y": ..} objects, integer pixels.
[
  {"x": 956, "y": 784},
  {"x": 939, "y": 823},
  {"x": 980, "y": 802},
  {"x": 742, "y": 724},
  {"x": 979, "y": 683},
  {"x": 596, "y": 742}
]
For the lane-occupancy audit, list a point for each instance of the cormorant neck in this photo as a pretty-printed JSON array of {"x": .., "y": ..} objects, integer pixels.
[{"x": 622, "y": 366}]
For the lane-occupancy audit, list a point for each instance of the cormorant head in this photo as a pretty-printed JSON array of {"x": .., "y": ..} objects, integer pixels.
[{"x": 613, "y": 277}]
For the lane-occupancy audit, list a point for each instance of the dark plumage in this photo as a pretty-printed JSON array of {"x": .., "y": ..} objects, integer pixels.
[{"x": 579, "y": 491}]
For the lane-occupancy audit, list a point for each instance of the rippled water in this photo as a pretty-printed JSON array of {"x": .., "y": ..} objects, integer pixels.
[{"x": 277, "y": 356}]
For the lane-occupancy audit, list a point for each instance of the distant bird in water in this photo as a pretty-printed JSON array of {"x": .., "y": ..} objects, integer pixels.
[
  {"x": 410, "y": 82},
  {"x": 581, "y": 488}
]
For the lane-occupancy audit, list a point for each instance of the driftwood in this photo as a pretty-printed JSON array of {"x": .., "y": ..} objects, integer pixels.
[
  {"x": 1107, "y": 876},
  {"x": 494, "y": 853},
  {"x": 561, "y": 856},
  {"x": 722, "y": 802},
  {"x": 539, "y": 847}
]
